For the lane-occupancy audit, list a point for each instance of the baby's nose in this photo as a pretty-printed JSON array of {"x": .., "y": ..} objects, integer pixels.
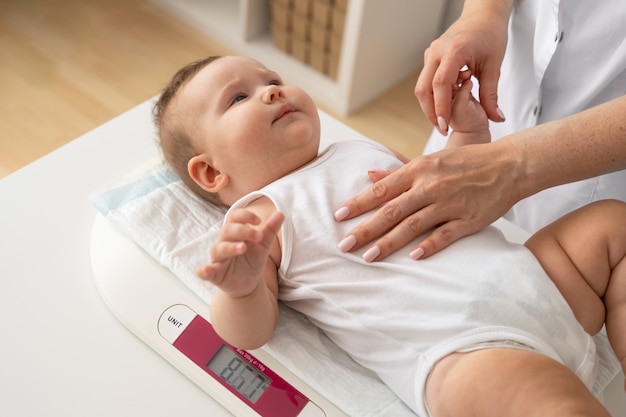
[{"x": 272, "y": 93}]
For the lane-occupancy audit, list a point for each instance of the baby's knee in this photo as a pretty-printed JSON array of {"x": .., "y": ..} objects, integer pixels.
[
  {"x": 507, "y": 382},
  {"x": 472, "y": 382},
  {"x": 609, "y": 215}
]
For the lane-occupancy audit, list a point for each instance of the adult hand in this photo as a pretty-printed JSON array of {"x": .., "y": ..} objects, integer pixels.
[
  {"x": 476, "y": 41},
  {"x": 454, "y": 192}
]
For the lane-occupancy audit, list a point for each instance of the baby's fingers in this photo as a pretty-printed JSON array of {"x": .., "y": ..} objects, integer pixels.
[
  {"x": 272, "y": 226},
  {"x": 207, "y": 273},
  {"x": 236, "y": 238},
  {"x": 242, "y": 215},
  {"x": 238, "y": 232},
  {"x": 464, "y": 91},
  {"x": 221, "y": 253},
  {"x": 223, "y": 250}
]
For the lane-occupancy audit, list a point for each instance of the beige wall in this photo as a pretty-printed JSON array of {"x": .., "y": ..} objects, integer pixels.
[{"x": 453, "y": 10}]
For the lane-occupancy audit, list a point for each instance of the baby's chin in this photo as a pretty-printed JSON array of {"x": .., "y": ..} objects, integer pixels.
[{"x": 304, "y": 134}]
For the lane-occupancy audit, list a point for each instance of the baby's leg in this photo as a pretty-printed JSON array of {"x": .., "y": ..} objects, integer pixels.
[
  {"x": 584, "y": 253},
  {"x": 507, "y": 383}
]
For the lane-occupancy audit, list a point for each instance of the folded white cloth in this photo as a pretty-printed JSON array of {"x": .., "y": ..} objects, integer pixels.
[{"x": 176, "y": 227}]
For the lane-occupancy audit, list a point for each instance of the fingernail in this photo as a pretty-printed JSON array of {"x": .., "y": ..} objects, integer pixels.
[
  {"x": 501, "y": 114},
  {"x": 442, "y": 125},
  {"x": 342, "y": 213},
  {"x": 371, "y": 254},
  {"x": 347, "y": 243},
  {"x": 375, "y": 175},
  {"x": 417, "y": 253}
]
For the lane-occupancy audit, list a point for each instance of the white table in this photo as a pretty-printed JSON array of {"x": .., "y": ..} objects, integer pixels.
[{"x": 62, "y": 352}]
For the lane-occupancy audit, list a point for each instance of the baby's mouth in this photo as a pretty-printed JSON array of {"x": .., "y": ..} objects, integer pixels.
[{"x": 284, "y": 110}]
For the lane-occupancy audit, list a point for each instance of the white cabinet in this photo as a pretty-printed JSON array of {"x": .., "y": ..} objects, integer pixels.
[{"x": 383, "y": 43}]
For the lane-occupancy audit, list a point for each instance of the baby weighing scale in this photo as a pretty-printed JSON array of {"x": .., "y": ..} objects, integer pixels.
[{"x": 157, "y": 307}]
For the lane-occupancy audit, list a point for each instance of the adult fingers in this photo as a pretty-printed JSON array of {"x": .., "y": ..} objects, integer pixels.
[
  {"x": 404, "y": 232},
  {"x": 424, "y": 87},
  {"x": 392, "y": 221},
  {"x": 376, "y": 176},
  {"x": 437, "y": 236},
  {"x": 435, "y": 88},
  {"x": 440, "y": 238},
  {"x": 389, "y": 187},
  {"x": 488, "y": 95},
  {"x": 444, "y": 83}
]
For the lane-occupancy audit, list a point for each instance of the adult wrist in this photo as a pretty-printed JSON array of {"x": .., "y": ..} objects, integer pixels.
[
  {"x": 500, "y": 10},
  {"x": 526, "y": 170}
]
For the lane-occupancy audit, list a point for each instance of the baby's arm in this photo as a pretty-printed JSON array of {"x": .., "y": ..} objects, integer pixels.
[
  {"x": 244, "y": 263},
  {"x": 468, "y": 120}
]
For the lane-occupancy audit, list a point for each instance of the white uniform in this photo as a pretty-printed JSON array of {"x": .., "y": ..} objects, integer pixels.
[
  {"x": 563, "y": 56},
  {"x": 398, "y": 317}
]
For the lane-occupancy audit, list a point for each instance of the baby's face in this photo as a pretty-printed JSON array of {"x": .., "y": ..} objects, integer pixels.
[{"x": 249, "y": 124}]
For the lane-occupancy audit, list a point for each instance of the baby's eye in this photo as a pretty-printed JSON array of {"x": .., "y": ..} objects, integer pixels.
[
  {"x": 276, "y": 82},
  {"x": 238, "y": 97}
]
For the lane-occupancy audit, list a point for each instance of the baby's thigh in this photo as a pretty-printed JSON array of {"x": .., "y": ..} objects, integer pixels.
[
  {"x": 574, "y": 252},
  {"x": 507, "y": 382},
  {"x": 591, "y": 237}
]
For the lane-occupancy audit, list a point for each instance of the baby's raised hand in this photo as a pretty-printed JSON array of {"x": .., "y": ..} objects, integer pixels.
[
  {"x": 241, "y": 252},
  {"x": 467, "y": 115},
  {"x": 468, "y": 119}
]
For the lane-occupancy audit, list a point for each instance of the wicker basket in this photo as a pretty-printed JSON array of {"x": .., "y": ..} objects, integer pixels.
[{"x": 310, "y": 30}]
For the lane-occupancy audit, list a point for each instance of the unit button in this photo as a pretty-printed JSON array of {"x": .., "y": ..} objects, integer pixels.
[{"x": 174, "y": 321}]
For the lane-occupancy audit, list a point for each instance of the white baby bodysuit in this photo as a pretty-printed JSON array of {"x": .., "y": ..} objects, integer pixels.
[{"x": 398, "y": 316}]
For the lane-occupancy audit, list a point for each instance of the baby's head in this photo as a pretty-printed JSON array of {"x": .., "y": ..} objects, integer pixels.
[{"x": 229, "y": 126}]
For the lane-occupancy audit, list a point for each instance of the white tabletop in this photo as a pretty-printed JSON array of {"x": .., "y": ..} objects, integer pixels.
[{"x": 62, "y": 352}]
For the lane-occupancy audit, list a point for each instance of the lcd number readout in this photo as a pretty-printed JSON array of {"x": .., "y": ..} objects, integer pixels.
[{"x": 238, "y": 373}]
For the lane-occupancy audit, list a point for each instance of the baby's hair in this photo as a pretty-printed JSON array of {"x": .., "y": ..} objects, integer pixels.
[{"x": 174, "y": 140}]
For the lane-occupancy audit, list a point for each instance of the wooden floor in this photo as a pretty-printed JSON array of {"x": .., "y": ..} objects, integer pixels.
[{"x": 67, "y": 66}]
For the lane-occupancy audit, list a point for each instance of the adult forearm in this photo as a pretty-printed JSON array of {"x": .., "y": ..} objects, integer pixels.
[
  {"x": 498, "y": 8},
  {"x": 581, "y": 146}
]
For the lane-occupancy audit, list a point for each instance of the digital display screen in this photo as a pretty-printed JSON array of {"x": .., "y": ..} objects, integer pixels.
[{"x": 238, "y": 373}]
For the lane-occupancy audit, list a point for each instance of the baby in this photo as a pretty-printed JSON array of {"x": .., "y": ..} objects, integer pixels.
[{"x": 479, "y": 329}]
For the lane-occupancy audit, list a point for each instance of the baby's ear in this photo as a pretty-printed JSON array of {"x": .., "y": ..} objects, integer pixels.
[{"x": 205, "y": 175}]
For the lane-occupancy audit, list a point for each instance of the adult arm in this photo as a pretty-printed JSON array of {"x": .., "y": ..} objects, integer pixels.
[
  {"x": 477, "y": 40},
  {"x": 456, "y": 192}
]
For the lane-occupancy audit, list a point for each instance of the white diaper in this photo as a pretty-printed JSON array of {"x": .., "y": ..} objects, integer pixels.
[{"x": 586, "y": 371}]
